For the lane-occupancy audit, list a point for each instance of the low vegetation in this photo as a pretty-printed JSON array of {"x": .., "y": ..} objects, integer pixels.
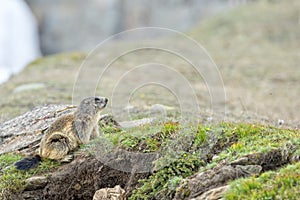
[
  {"x": 13, "y": 181},
  {"x": 281, "y": 184},
  {"x": 224, "y": 142}
]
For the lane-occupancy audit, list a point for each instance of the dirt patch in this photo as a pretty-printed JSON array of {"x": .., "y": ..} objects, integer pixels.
[{"x": 81, "y": 179}]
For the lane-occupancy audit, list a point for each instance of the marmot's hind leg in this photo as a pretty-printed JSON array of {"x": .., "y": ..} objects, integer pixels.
[{"x": 56, "y": 147}]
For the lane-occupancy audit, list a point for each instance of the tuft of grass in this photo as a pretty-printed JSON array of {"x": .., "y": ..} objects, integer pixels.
[
  {"x": 170, "y": 128},
  {"x": 201, "y": 135},
  {"x": 8, "y": 159},
  {"x": 284, "y": 184}
]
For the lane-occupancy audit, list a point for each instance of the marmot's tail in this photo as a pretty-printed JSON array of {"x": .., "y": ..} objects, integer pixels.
[{"x": 28, "y": 163}]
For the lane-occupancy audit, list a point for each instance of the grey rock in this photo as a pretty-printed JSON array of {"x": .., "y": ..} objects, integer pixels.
[
  {"x": 200, "y": 183},
  {"x": 158, "y": 108},
  {"x": 130, "y": 108},
  {"x": 240, "y": 161}
]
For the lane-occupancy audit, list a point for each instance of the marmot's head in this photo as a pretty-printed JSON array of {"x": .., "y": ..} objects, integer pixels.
[
  {"x": 93, "y": 104},
  {"x": 100, "y": 102}
]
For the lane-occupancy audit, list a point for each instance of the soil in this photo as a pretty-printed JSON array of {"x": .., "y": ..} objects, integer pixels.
[{"x": 80, "y": 179}]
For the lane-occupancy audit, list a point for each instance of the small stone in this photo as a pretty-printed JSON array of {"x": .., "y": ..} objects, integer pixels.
[
  {"x": 136, "y": 123},
  {"x": 77, "y": 186},
  {"x": 280, "y": 122},
  {"x": 158, "y": 108},
  {"x": 215, "y": 157},
  {"x": 209, "y": 119},
  {"x": 36, "y": 182},
  {"x": 116, "y": 193},
  {"x": 129, "y": 108}
]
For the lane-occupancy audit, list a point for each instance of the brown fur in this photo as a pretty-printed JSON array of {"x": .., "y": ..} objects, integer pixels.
[{"x": 69, "y": 131}]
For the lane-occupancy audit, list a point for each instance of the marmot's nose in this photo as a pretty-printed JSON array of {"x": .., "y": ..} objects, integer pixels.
[{"x": 105, "y": 100}]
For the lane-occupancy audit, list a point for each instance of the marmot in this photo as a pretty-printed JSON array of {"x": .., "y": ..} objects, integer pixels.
[{"x": 67, "y": 133}]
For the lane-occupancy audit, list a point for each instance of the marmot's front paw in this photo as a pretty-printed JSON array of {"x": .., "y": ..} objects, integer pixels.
[{"x": 68, "y": 158}]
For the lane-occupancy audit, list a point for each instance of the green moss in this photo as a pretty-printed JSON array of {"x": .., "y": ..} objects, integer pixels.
[
  {"x": 162, "y": 184},
  {"x": 130, "y": 142},
  {"x": 252, "y": 138},
  {"x": 284, "y": 184},
  {"x": 149, "y": 138},
  {"x": 140, "y": 138}
]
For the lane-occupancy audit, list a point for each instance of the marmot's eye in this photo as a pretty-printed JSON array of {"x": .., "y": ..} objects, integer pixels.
[{"x": 97, "y": 99}]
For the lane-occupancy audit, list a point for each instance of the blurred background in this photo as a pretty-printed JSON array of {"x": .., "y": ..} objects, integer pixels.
[
  {"x": 50, "y": 27},
  {"x": 80, "y": 25}
]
